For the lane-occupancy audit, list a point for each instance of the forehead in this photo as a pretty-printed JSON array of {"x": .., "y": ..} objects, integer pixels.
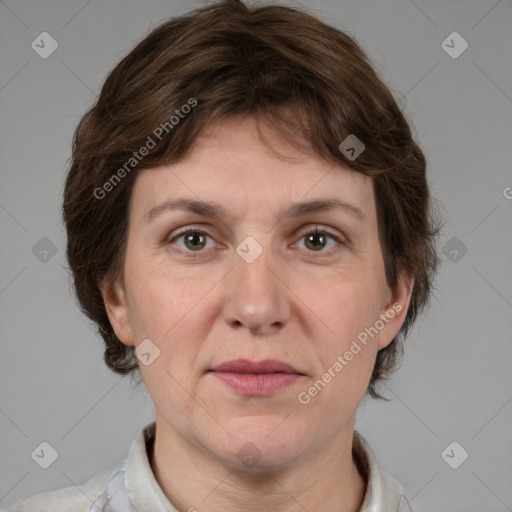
[{"x": 232, "y": 167}]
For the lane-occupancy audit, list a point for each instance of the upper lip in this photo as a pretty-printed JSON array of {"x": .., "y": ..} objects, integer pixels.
[{"x": 247, "y": 366}]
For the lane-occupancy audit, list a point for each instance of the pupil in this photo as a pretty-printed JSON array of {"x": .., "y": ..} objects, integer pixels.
[
  {"x": 192, "y": 238},
  {"x": 314, "y": 236}
]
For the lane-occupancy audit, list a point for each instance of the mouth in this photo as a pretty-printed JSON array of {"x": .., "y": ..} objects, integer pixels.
[
  {"x": 252, "y": 378},
  {"x": 265, "y": 367}
]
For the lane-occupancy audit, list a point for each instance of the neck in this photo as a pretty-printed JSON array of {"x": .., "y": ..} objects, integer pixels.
[{"x": 194, "y": 481}]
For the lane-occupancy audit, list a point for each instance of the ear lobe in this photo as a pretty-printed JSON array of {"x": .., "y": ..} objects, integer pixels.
[
  {"x": 395, "y": 310},
  {"x": 114, "y": 298}
]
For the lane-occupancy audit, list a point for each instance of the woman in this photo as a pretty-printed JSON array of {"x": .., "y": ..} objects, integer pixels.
[{"x": 249, "y": 225}]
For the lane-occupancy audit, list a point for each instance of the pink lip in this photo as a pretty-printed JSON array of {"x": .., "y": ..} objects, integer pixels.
[
  {"x": 256, "y": 378},
  {"x": 247, "y": 366}
]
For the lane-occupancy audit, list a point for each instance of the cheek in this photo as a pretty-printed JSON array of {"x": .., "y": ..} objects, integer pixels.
[
  {"x": 346, "y": 307},
  {"x": 165, "y": 310},
  {"x": 170, "y": 310},
  {"x": 157, "y": 300}
]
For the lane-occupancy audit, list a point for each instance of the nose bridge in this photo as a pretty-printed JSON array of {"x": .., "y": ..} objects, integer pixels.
[{"x": 255, "y": 298}]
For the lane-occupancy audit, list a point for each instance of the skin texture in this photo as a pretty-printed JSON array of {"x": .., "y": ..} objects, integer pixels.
[{"x": 302, "y": 301}]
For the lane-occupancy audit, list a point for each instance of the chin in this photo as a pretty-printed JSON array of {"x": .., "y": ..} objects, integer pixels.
[
  {"x": 256, "y": 451},
  {"x": 251, "y": 460}
]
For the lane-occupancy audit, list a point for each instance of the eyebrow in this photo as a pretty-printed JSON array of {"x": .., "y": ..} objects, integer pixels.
[{"x": 211, "y": 209}]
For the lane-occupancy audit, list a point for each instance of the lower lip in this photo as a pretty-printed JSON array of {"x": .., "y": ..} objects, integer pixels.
[{"x": 257, "y": 385}]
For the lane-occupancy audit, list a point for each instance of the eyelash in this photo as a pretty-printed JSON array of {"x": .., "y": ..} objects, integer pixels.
[{"x": 193, "y": 254}]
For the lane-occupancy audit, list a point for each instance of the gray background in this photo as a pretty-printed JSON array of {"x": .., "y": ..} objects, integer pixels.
[{"x": 456, "y": 381}]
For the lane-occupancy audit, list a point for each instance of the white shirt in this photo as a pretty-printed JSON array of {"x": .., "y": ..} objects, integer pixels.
[{"x": 131, "y": 486}]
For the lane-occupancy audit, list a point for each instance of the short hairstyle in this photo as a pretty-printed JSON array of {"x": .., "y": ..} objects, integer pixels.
[{"x": 314, "y": 84}]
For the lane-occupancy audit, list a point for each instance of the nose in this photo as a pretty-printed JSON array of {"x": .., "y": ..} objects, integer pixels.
[{"x": 256, "y": 296}]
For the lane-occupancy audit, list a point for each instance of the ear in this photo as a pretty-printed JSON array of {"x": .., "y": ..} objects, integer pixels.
[
  {"x": 116, "y": 305},
  {"x": 395, "y": 308}
]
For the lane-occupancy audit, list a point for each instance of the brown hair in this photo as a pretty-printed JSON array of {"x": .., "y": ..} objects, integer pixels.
[{"x": 312, "y": 81}]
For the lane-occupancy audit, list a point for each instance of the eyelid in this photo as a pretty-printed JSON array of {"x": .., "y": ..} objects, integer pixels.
[{"x": 320, "y": 229}]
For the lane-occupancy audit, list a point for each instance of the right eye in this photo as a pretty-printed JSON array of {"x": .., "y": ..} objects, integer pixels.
[{"x": 194, "y": 240}]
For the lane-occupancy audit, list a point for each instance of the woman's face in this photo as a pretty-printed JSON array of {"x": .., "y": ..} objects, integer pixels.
[{"x": 255, "y": 284}]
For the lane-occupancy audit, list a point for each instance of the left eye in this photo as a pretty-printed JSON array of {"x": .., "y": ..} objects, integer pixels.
[
  {"x": 195, "y": 240},
  {"x": 315, "y": 238}
]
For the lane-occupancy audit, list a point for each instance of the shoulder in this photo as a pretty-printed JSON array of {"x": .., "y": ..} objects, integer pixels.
[
  {"x": 78, "y": 498},
  {"x": 105, "y": 491}
]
